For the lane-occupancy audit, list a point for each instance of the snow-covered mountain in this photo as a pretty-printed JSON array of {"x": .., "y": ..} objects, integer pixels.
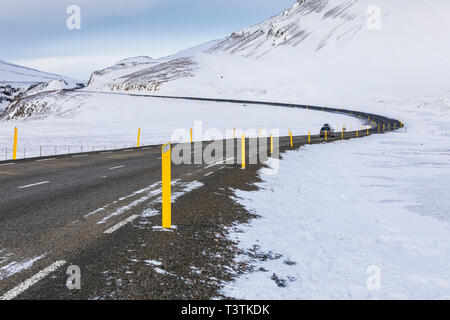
[
  {"x": 22, "y": 76},
  {"x": 17, "y": 80},
  {"x": 318, "y": 52}
]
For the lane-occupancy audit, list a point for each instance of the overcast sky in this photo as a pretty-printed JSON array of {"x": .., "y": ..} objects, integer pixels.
[{"x": 34, "y": 33}]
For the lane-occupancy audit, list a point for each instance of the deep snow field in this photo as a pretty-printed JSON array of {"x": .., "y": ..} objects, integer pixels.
[
  {"x": 110, "y": 121},
  {"x": 335, "y": 210}
]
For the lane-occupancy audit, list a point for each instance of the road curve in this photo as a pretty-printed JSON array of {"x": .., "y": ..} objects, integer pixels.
[{"x": 79, "y": 208}]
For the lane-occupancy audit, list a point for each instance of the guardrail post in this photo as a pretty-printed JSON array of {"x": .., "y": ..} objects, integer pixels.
[
  {"x": 243, "y": 150},
  {"x": 166, "y": 186},
  {"x": 15, "y": 144}
]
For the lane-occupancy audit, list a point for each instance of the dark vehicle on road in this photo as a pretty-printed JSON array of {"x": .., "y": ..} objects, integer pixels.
[{"x": 327, "y": 128}]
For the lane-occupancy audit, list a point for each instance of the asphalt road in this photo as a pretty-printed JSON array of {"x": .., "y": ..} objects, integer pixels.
[{"x": 100, "y": 211}]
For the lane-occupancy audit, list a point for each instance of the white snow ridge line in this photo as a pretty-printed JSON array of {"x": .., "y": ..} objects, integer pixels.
[
  {"x": 121, "y": 224},
  {"x": 11, "y": 294}
]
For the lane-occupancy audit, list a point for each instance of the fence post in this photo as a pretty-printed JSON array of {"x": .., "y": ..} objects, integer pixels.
[
  {"x": 15, "y": 144},
  {"x": 166, "y": 186}
]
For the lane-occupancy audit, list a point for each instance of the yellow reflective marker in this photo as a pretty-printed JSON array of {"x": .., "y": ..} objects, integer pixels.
[
  {"x": 342, "y": 135},
  {"x": 166, "y": 186},
  {"x": 367, "y": 131},
  {"x": 290, "y": 134},
  {"x": 326, "y": 135},
  {"x": 15, "y": 144},
  {"x": 357, "y": 133},
  {"x": 309, "y": 136},
  {"x": 271, "y": 143},
  {"x": 139, "y": 138},
  {"x": 243, "y": 150},
  {"x": 191, "y": 135}
]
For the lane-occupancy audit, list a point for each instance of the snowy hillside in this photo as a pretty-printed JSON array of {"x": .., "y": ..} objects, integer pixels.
[
  {"x": 327, "y": 52},
  {"x": 19, "y": 75},
  {"x": 316, "y": 49}
]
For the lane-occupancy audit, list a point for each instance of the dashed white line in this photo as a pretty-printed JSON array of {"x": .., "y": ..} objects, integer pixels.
[
  {"x": 11, "y": 294},
  {"x": 121, "y": 224},
  {"x": 50, "y": 159},
  {"x": 33, "y": 184},
  {"x": 6, "y": 164},
  {"x": 118, "y": 167}
]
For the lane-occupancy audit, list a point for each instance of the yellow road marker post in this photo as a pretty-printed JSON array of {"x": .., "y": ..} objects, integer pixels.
[
  {"x": 357, "y": 133},
  {"x": 260, "y": 132},
  {"x": 292, "y": 142},
  {"x": 191, "y": 135},
  {"x": 367, "y": 131},
  {"x": 138, "y": 138},
  {"x": 342, "y": 135},
  {"x": 326, "y": 135},
  {"x": 166, "y": 186},
  {"x": 243, "y": 150},
  {"x": 234, "y": 133},
  {"x": 15, "y": 144},
  {"x": 271, "y": 143},
  {"x": 309, "y": 136}
]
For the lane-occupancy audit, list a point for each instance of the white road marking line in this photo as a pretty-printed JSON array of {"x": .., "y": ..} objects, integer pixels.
[
  {"x": 46, "y": 160},
  {"x": 106, "y": 152},
  {"x": 33, "y": 185},
  {"x": 121, "y": 224},
  {"x": 80, "y": 156},
  {"x": 11, "y": 294},
  {"x": 6, "y": 164},
  {"x": 126, "y": 150},
  {"x": 118, "y": 167}
]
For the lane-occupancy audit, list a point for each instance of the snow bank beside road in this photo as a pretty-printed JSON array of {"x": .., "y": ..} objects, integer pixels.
[{"x": 336, "y": 209}]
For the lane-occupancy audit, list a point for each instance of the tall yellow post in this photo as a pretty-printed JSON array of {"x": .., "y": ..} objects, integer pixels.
[
  {"x": 234, "y": 133},
  {"x": 326, "y": 135},
  {"x": 342, "y": 135},
  {"x": 357, "y": 133},
  {"x": 309, "y": 136},
  {"x": 243, "y": 150},
  {"x": 166, "y": 187},
  {"x": 15, "y": 144},
  {"x": 260, "y": 132},
  {"x": 367, "y": 131},
  {"x": 292, "y": 142},
  {"x": 139, "y": 138},
  {"x": 191, "y": 135}
]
